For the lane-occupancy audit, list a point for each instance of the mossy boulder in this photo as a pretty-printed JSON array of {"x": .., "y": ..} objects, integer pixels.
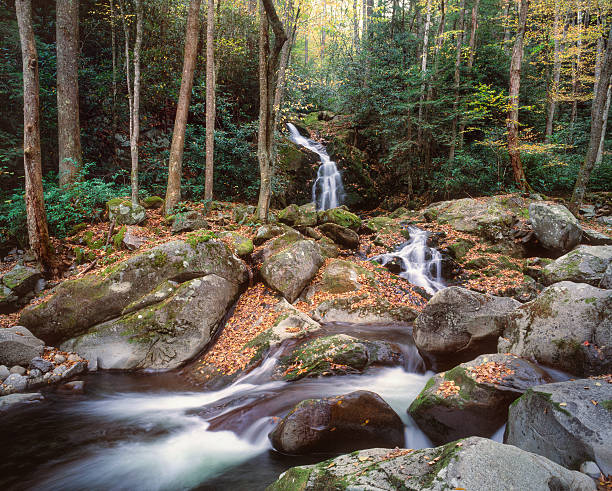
[
  {"x": 585, "y": 264},
  {"x": 188, "y": 222},
  {"x": 75, "y": 306},
  {"x": 277, "y": 244},
  {"x": 243, "y": 213},
  {"x": 242, "y": 246},
  {"x": 460, "y": 248},
  {"x": 341, "y": 276},
  {"x": 472, "y": 399},
  {"x": 152, "y": 203},
  {"x": 474, "y": 464},
  {"x": 367, "y": 308},
  {"x": 17, "y": 287},
  {"x": 567, "y": 327},
  {"x": 124, "y": 212},
  {"x": 341, "y": 217},
  {"x": 268, "y": 231},
  {"x": 344, "y": 237},
  {"x": 555, "y": 226},
  {"x": 296, "y": 216},
  {"x": 383, "y": 225}
]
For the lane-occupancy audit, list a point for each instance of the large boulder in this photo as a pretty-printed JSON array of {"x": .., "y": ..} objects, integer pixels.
[
  {"x": 566, "y": 422},
  {"x": 367, "y": 308},
  {"x": 241, "y": 245},
  {"x": 458, "y": 324},
  {"x": 75, "y": 306},
  {"x": 568, "y": 327},
  {"x": 124, "y": 212},
  {"x": 555, "y": 226},
  {"x": 298, "y": 216},
  {"x": 344, "y": 237},
  {"x": 341, "y": 217},
  {"x": 268, "y": 231},
  {"x": 18, "y": 346},
  {"x": 345, "y": 423},
  {"x": 188, "y": 222},
  {"x": 473, "y": 464},
  {"x": 472, "y": 399},
  {"x": 585, "y": 264},
  {"x": 290, "y": 270},
  {"x": 340, "y": 276},
  {"x": 17, "y": 287},
  {"x": 606, "y": 279}
]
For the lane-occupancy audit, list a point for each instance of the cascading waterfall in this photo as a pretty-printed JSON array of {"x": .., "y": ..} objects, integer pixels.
[
  {"x": 327, "y": 190},
  {"x": 421, "y": 265}
]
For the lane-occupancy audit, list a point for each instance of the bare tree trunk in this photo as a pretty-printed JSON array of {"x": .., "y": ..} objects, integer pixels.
[
  {"x": 576, "y": 69},
  {"x": 460, "y": 26},
  {"x": 602, "y": 140},
  {"x": 136, "y": 101},
  {"x": 552, "y": 96},
  {"x": 364, "y": 18},
  {"x": 355, "y": 28},
  {"x": 210, "y": 100},
  {"x": 598, "y": 116},
  {"x": 506, "y": 25},
  {"x": 38, "y": 232},
  {"x": 68, "y": 126},
  {"x": 114, "y": 56},
  {"x": 512, "y": 122},
  {"x": 175, "y": 164},
  {"x": 424, "y": 68},
  {"x": 470, "y": 64}
]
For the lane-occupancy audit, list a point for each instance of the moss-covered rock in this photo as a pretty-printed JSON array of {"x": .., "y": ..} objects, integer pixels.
[
  {"x": 460, "y": 248},
  {"x": 124, "y": 212},
  {"x": 359, "y": 309},
  {"x": 188, "y": 222},
  {"x": 152, "y": 202},
  {"x": 585, "y": 264},
  {"x": 296, "y": 216},
  {"x": 383, "y": 225},
  {"x": 341, "y": 217},
  {"x": 243, "y": 246}
]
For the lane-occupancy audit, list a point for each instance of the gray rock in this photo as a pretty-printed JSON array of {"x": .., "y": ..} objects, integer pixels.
[
  {"x": 562, "y": 423},
  {"x": 345, "y": 237},
  {"x": 11, "y": 401},
  {"x": 591, "y": 469},
  {"x": 268, "y": 231},
  {"x": 296, "y": 216},
  {"x": 75, "y": 387},
  {"x": 19, "y": 370},
  {"x": 131, "y": 240},
  {"x": 21, "y": 279},
  {"x": 605, "y": 221},
  {"x": 457, "y": 325},
  {"x": 290, "y": 270},
  {"x": 348, "y": 310},
  {"x": 606, "y": 279},
  {"x": 188, "y": 221},
  {"x": 475, "y": 464},
  {"x": 59, "y": 359},
  {"x": 4, "y": 372},
  {"x": 77, "y": 305},
  {"x": 555, "y": 226},
  {"x": 9, "y": 302},
  {"x": 14, "y": 383},
  {"x": 77, "y": 368},
  {"x": 124, "y": 212},
  {"x": 345, "y": 423},
  {"x": 486, "y": 388},
  {"x": 568, "y": 327},
  {"x": 35, "y": 373},
  {"x": 593, "y": 237},
  {"x": 41, "y": 364},
  {"x": 18, "y": 346},
  {"x": 585, "y": 264}
]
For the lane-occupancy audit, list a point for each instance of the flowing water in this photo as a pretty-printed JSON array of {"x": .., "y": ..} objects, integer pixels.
[
  {"x": 327, "y": 190},
  {"x": 152, "y": 431},
  {"x": 420, "y": 265}
]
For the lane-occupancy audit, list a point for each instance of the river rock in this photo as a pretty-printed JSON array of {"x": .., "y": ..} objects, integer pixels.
[
  {"x": 290, "y": 270},
  {"x": 471, "y": 464},
  {"x": 19, "y": 370},
  {"x": 354, "y": 310},
  {"x": 339, "y": 355},
  {"x": 267, "y": 232},
  {"x": 345, "y": 423},
  {"x": 18, "y": 346},
  {"x": 555, "y": 226},
  {"x": 568, "y": 327},
  {"x": 593, "y": 237},
  {"x": 14, "y": 383},
  {"x": 606, "y": 279},
  {"x": 75, "y": 306},
  {"x": 124, "y": 212},
  {"x": 345, "y": 237},
  {"x": 458, "y": 324},
  {"x": 241, "y": 245},
  {"x": 4, "y": 372},
  {"x": 188, "y": 222},
  {"x": 41, "y": 364},
  {"x": 567, "y": 422},
  {"x": 585, "y": 264},
  {"x": 473, "y": 398},
  {"x": 12, "y": 401},
  {"x": 17, "y": 287},
  {"x": 340, "y": 216}
]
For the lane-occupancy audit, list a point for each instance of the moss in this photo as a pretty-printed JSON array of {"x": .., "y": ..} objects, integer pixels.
[
  {"x": 460, "y": 248},
  {"x": 606, "y": 404},
  {"x": 198, "y": 237},
  {"x": 548, "y": 397},
  {"x": 340, "y": 217},
  {"x": 116, "y": 202},
  {"x": 294, "y": 479},
  {"x": 590, "y": 300},
  {"x": 79, "y": 227},
  {"x": 152, "y": 202},
  {"x": 118, "y": 237}
]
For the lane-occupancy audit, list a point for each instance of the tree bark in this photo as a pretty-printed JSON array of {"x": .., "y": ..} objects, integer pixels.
[
  {"x": 602, "y": 140},
  {"x": 136, "y": 102},
  {"x": 552, "y": 96},
  {"x": 210, "y": 100},
  {"x": 598, "y": 116},
  {"x": 38, "y": 232},
  {"x": 68, "y": 126},
  {"x": 512, "y": 122},
  {"x": 355, "y": 28},
  {"x": 576, "y": 65},
  {"x": 506, "y": 25},
  {"x": 470, "y": 64},
  {"x": 460, "y": 26},
  {"x": 114, "y": 57},
  {"x": 424, "y": 70},
  {"x": 175, "y": 164},
  {"x": 281, "y": 83}
]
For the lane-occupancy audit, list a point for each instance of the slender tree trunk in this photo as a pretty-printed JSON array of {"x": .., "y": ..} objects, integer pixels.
[
  {"x": 470, "y": 64},
  {"x": 552, "y": 96},
  {"x": 68, "y": 127},
  {"x": 602, "y": 140},
  {"x": 460, "y": 26},
  {"x": 598, "y": 116},
  {"x": 364, "y": 18},
  {"x": 114, "y": 56},
  {"x": 281, "y": 83},
  {"x": 136, "y": 101},
  {"x": 306, "y": 50},
  {"x": 126, "y": 38},
  {"x": 424, "y": 70},
  {"x": 210, "y": 100},
  {"x": 506, "y": 26},
  {"x": 355, "y": 28},
  {"x": 512, "y": 122},
  {"x": 175, "y": 164},
  {"x": 576, "y": 69},
  {"x": 38, "y": 232}
]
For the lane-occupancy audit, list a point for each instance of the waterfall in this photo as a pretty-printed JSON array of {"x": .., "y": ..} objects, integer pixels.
[
  {"x": 420, "y": 265},
  {"x": 327, "y": 190}
]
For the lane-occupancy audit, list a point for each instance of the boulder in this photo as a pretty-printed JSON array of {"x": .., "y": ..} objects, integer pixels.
[
  {"x": 593, "y": 237},
  {"x": 133, "y": 238},
  {"x": 21, "y": 279},
  {"x": 353, "y": 310},
  {"x": 298, "y": 216},
  {"x": 341, "y": 217},
  {"x": 188, "y": 222},
  {"x": 4, "y": 372},
  {"x": 267, "y": 232},
  {"x": 14, "y": 383},
  {"x": 566, "y": 422},
  {"x": 152, "y": 203},
  {"x": 473, "y": 464},
  {"x": 339, "y": 355},
  {"x": 345, "y": 237},
  {"x": 18, "y": 346},
  {"x": 585, "y": 264},
  {"x": 124, "y": 212},
  {"x": 381, "y": 224},
  {"x": 277, "y": 244},
  {"x": 75, "y": 306},
  {"x": 457, "y": 325},
  {"x": 340, "y": 276},
  {"x": 241, "y": 245},
  {"x": 290, "y": 270},
  {"x": 567, "y": 327},
  {"x": 606, "y": 279},
  {"x": 460, "y": 248},
  {"x": 242, "y": 213},
  {"x": 555, "y": 226},
  {"x": 472, "y": 399},
  {"x": 345, "y": 423}
]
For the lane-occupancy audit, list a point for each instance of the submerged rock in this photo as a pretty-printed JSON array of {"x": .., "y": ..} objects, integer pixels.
[
  {"x": 585, "y": 264},
  {"x": 567, "y": 327},
  {"x": 472, "y": 399},
  {"x": 458, "y": 324},
  {"x": 555, "y": 226},
  {"x": 471, "y": 464},
  {"x": 13, "y": 401},
  {"x": 345, "y": 423},
  {"x": 567, "y": 422}
]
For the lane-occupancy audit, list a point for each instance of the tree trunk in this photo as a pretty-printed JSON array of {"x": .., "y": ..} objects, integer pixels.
[
  {"x": 506, "y": 25},
  {"x": 598, "y": 116},
  {"x": 355, "y": 28},
  {"x": 136, "y": 101},
  {"x": 210, "y": 100},
  {"x": 576, "y": 69},
  {"x": 175, "y": 164},
  {"x": 38, "y": 232},
  {"x": 470, "y": 64},
  {"x": 602, "y": 140},
  {"x": 281, "y": 83},
  {"x": 114, "y": 56},
  {"x": 68, "y": 127},
  {"x": 424, "y": 69},
  {"x": 512, "y": 122},
  {"x": 306, "y": 50},
  {"x": 460, "y": 26},
  {"x": 552, "y": 96}
]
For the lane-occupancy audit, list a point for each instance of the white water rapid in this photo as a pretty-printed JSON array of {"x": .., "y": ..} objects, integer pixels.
[
  {"x": 420, "y": 265},
  {"x": 327, "y": 190}
]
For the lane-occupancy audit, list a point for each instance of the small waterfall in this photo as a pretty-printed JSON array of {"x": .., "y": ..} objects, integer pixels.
[
  {"x": 327, "y": 190},
  {"x": 420, "y": 265}
]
